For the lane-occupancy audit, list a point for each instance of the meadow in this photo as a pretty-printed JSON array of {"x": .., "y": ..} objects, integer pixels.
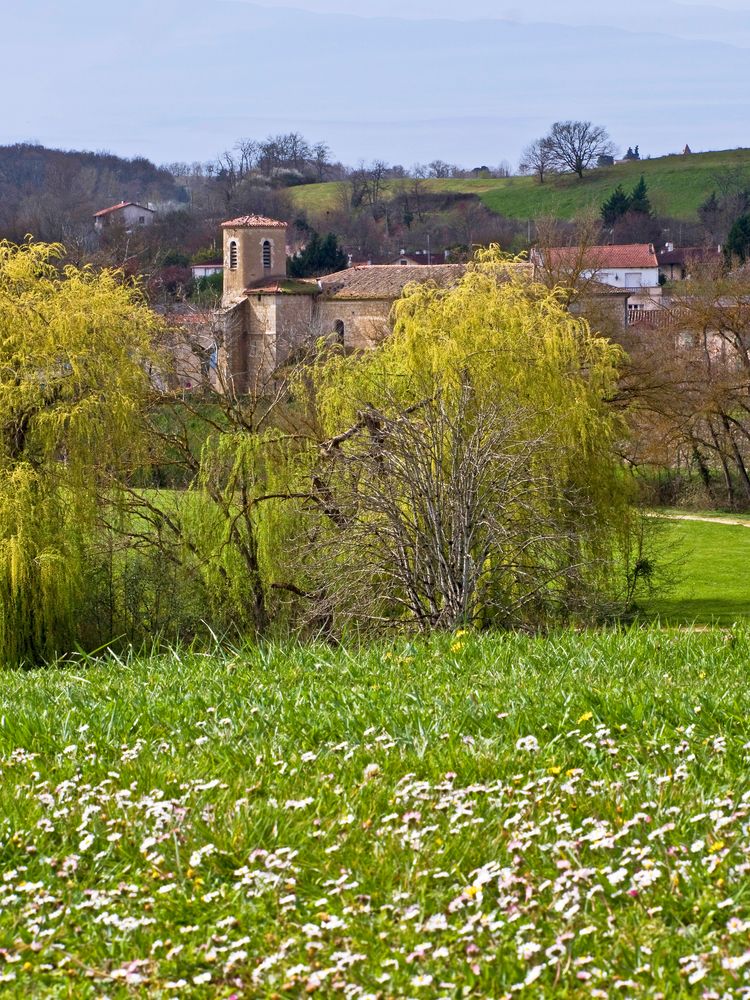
[
  {"x": 474, "y": 816},
  {"x": 710, "y": 566},
  {"x": 677, "y": 186}
]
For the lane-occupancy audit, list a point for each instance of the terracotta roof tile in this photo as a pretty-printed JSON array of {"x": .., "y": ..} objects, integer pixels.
[
  {"x": 386, "y": 281},
  {"x": 602, "y": 257},
  {"x": 253, "y": 222},
  {"x": 119, "y": 206}
]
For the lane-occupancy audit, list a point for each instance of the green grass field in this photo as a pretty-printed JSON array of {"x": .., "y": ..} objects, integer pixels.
[
  {"x": 677, "y": 186},
  {"x": 464, "y": 817},
  {"x": 711, "y": 570}
]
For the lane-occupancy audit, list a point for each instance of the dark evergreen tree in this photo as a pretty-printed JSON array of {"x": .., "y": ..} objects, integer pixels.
[
  {"x": 709, "y": 207},
  {"x": 738, "y": 241},
  {"x": 639, "y": 200},
  {"x": 320, "y": 256},
  {"x": 615, "y": 206}
]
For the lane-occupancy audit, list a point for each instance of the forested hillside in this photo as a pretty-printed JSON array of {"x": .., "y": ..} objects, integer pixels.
[{"x": 53, "y": 193}]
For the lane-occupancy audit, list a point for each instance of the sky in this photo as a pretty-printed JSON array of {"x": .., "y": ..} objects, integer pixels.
[{"x": 406, "y": 81}]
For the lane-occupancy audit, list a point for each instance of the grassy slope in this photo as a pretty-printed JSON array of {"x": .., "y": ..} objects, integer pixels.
[
  {"x": 677, "y": 186},
  {"x": 712, "y": 571},
  {"x": 412, "y": 839}
]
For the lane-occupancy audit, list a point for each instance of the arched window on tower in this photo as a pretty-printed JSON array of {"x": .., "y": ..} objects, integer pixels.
[
  {"x": 338, "y": 329},
  {"x": 233, "y": 255},
  {"x": 267, "y": 255}
]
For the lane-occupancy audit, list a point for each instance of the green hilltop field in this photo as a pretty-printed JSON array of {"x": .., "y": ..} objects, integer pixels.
[{"x": 677, "y": 186}]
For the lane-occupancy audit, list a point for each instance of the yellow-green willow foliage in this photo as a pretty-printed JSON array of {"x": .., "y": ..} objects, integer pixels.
[
  {"x": 498, "y": 352},
  {"x": 75, "y": 346}
]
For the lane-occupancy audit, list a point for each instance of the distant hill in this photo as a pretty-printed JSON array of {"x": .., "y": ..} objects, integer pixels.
[
  {"x": 53, "y": 193},
  {"x": 677, "y": 186}
]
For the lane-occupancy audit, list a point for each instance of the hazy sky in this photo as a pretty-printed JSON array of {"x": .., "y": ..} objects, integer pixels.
[{"x": 405, "y": 80}]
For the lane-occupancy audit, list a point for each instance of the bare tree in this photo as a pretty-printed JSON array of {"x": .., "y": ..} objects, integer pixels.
[
  {"x": 687, "y": 384},
  {"x": 443, "y": 515},
  {"x": 321, "y": 158},
  {"x": 565, "y": 258},
  {"x": 576, "y": 145},
  {"x": 537, "y": 159},
  {"x": 439, "y": 168}
]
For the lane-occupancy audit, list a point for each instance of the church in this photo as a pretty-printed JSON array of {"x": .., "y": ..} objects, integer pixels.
[
  {"x": 267, "y": 317},
  {"x": 267, "y": 320}
]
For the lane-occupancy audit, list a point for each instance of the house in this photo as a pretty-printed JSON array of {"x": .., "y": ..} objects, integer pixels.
[
  {"x": 675, "y": 262},
  {"x": 206, "y": 270},
  {"x": 128, "y": 214},
  {"x": 633, "y": 267}
]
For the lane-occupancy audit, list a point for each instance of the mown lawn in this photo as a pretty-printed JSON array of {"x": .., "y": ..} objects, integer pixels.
[
  {"x": 711, "y": 572},
  {"x": 677, "y": 187},
  {"x": 464, "y": 817}
]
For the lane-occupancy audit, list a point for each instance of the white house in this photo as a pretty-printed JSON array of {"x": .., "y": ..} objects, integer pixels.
[
  {"x": 128, "y": 214},
  {"x": 206, "y": 270},
  {"x": 630, "y": 266}
]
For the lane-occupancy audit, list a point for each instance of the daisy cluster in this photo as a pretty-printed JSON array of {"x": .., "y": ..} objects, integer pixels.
[{"x": 462, "y": 838}]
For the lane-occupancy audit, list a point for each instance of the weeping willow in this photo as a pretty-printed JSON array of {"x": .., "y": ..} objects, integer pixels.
[
  {"x": 495, "y": 345},
  {"x": 75, "y": 349}
]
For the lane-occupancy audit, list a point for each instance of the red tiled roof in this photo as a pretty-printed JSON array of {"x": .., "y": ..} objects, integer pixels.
[
  {"x": 253, "y": 222},
  {"x": 601, "y": 258},
  {"x": 119, "y": 206}
]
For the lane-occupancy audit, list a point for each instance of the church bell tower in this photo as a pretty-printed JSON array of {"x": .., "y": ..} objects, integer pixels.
[{"x": 254, "y": 252}]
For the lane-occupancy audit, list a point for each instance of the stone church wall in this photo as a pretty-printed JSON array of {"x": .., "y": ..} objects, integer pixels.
[
  {"x": 295, "y": 327},
  {"x": 366, "y": 322}
]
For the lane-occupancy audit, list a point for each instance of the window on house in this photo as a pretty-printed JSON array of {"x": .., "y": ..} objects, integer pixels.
[
  {"x": 338, "y": 329},
  {"x": 267, "y": 255},
  {"x": 233, "y": 255},
  {"x": 141, "y": 220}
]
